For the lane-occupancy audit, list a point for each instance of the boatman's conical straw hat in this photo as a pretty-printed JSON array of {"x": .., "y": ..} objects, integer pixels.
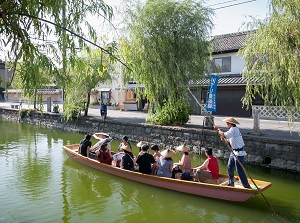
[
  {"x": 168, "y": 153},
  {"x": 231, "y": 121}
]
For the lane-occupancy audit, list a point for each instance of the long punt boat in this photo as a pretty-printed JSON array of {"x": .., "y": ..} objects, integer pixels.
[{"x": 217, "y": 189}]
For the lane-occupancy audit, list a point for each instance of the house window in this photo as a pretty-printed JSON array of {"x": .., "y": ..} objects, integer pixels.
[
  {"x": 222, "y": 64},
  {"x": 105, "y": 96}
]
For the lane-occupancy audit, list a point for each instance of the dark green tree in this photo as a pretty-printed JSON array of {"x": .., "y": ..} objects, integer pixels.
[{"x": 166, "y": 45}]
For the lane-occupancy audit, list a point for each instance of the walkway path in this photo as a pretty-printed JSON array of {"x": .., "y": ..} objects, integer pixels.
[{"x": 269, "y": 128}]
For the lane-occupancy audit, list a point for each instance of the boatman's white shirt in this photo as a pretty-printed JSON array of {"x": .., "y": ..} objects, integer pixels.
[{"x": 236, "y": 141}]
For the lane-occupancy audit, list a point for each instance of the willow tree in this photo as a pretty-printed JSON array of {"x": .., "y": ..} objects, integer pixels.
[
  {"x": 272, "y": 56},
  {"x": 46, "y": 34},
  {"x": 89, "y": 70},
  {"x": 166, "y": 46}
]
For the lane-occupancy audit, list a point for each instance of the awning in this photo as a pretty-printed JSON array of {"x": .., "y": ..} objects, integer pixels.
[
  {"x": 130, "y": 87},
  {"x": 105, "y": 89}
]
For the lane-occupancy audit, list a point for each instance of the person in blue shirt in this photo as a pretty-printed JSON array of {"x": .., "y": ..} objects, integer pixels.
[{"x": 166, "y": 163}]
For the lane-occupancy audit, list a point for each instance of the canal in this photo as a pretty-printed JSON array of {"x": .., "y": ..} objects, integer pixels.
[{"x": 39, "y": 183}]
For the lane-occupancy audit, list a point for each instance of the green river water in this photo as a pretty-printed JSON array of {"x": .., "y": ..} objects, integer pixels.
[{"x": 39, "y": 183}]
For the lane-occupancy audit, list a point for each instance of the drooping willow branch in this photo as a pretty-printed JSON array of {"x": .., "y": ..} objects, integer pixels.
[{"x": 77, "y": 35}]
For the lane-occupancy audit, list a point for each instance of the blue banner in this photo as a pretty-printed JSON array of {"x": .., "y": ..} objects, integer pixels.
[{"x": 211, "y": 94}]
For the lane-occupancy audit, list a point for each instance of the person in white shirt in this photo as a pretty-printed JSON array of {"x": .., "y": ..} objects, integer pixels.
[{"x": 234, "y": 137}]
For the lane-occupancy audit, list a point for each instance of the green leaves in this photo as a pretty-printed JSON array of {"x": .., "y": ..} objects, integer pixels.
[
  {"x": 44, "y": 32},
  {"x": 166, "y": 47},
  {"x": 272, "y": 57}
]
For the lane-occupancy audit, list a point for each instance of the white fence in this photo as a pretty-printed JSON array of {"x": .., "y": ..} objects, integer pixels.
[{"x": 274, "y": 112}]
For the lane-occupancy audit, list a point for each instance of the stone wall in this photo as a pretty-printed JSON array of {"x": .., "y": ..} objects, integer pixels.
[{"x": 268, "y": 152}]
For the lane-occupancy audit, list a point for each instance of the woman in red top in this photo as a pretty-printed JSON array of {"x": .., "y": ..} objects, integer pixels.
[
  {"x": 104, "y": 155},
  {"x": 209, "y": 169}
]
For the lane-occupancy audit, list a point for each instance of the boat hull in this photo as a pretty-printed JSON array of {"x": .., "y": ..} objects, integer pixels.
[{"x": 190, "y": 187}]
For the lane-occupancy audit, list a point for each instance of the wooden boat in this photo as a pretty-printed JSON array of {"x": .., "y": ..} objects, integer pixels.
[{"x": 214, "y": 189}]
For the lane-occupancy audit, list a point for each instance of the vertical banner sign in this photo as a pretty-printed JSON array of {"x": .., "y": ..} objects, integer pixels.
[{"x": 211, "y": 94}]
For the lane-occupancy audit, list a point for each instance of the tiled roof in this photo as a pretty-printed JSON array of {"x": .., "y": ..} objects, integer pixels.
[
  {"x": 229, "y": 42},
  {"x": 225, "y": 80}
]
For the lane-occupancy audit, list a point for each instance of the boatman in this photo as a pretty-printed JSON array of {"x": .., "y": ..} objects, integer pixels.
[{"x": 235, "y": 139}]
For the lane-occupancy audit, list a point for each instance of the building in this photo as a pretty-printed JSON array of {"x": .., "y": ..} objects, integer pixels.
[{"x": 231, "y": 87}]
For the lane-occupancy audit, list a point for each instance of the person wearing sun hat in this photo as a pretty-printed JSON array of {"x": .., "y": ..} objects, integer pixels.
[
  {"x": 103, "y": 138},
  {"x": 127, "y": 161},
  {"x": 125, "y": 142},
  {"x": 166, "y": 163},
  {"x": 144, "y": 160},
  {"x": 185, "y": 162},
  {"x": 140, "y": 144},
  {"x": 235, "y": 139}
]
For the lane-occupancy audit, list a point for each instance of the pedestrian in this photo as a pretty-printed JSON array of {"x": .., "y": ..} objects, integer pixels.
[{"x": 234, "y": 137}]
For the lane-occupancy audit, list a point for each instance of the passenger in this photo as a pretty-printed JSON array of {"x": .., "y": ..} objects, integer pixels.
[
  {"x": 144, "y": 160},
  {"x": 176, "y": 173},
  {"x": 85, "y": 145},
  {"x": 140, "y": 144},
  {"x": 209, "y": 169},
  {"x": 156, "y": 155},
  {"x": 117, "y": 158},
  {"x": 103, "y": 138},
  {"x": 185, "y": 162},
  {"x": 104, "y": 155},
  {"x": 127, "y": 162},
  {"x": 124, "y": 142},
  {"x": 166, "y": 163}
]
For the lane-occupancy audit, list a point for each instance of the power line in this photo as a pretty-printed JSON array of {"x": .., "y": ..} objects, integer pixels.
[
  {"x": 227, "y": 6},
  {"x": 221, "y": 3}
]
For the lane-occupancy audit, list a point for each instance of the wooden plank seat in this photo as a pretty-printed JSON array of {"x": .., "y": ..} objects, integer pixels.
[{"x": 220, "y": 180}]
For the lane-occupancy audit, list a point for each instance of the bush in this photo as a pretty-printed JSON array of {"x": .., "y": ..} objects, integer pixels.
[
  {"x": 25, "y": 112},
  {"x": 172, "y": 114}
]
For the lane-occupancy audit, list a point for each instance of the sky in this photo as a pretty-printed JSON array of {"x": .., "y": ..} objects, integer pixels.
[{"x": 230, "y": 18}]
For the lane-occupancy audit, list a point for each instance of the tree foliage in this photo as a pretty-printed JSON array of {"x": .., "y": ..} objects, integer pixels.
[
  {"x": 89, "y": 70},
  {"x": 166, "y": 46},
  {"x": 272, "y": 56},
  {"x": 46, "y": 34}
]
